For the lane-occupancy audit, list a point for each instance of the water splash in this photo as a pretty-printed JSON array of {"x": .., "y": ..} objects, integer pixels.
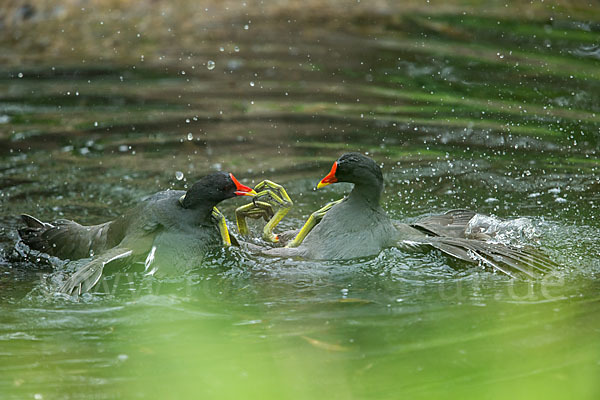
[{"x": 516, "y": 232}]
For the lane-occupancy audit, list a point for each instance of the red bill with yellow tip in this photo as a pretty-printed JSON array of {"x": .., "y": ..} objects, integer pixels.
[
  {"x": 242, "y": 190},
  {"x": 330, "y": 178}
]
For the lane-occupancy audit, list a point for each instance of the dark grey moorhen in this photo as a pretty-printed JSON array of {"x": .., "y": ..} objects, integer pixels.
[
  {"x": 357, "y": 226},
  {"x": 171, "y": 229}
]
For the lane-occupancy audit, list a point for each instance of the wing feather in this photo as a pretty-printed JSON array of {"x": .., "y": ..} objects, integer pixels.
[{"x": 85, "y": 278}]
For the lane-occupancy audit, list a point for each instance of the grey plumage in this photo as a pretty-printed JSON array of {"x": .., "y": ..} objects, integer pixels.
[
  {"x": 176, "y": 225},
  {"x": 358, "y": 226},
  {"x": 364, "y": 234}
]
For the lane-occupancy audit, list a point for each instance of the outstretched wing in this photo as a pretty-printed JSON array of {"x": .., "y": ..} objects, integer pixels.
[
  {"x": 86, "y": 277},
  {"x": 512, "y": 261},
  {"x": 448, "y": 233},
  {"x": 66, "y": 239}
]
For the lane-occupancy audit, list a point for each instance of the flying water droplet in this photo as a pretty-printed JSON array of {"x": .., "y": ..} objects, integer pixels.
[
  {"x": 179, "y": 175},
  {"x": 210, "y": 65},
  {"x": 190, "y": 136}
]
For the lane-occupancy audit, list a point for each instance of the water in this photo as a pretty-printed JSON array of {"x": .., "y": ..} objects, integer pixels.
[{"x": 495, "y": 114}]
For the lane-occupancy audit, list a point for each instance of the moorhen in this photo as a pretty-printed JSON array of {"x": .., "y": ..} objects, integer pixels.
[
  {"x": 357, "y": 226},
  {"x": 170, "y": 229}
]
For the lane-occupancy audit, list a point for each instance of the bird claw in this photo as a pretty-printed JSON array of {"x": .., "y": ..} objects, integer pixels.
[{"x": 269, "y": 196}]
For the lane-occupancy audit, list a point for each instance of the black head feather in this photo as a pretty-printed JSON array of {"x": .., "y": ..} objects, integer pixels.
[
  {"x": 209, "y": 191},
  {"x": 358, "y": 169}
]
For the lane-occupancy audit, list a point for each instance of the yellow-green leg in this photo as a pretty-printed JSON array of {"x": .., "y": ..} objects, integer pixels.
[
  {"x": 275, "y": 195},
  {"x": 310, "y": 223},
  {"x": 222, "y": 225}
]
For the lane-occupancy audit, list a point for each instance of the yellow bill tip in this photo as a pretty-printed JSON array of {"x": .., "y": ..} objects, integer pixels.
[{"x": 322, "y": 184}]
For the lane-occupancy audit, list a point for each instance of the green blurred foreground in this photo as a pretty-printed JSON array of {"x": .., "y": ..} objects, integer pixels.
[{"x": 494, "y": 109}]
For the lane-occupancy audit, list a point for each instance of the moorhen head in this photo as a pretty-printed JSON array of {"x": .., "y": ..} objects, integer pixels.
[
  {"x": 358, "y": 169},
  {"x": 212, "y": 189}
]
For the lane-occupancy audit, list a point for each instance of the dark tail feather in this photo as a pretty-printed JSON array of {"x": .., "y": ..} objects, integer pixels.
[
  {"x": 35, "y": 223},
  {"x": 32, "y": 234}
]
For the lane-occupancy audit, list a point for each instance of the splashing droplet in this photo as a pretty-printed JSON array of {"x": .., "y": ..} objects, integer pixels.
[
  {"x": 210, "y": 65},
  {"x": 179, "y": 175},
  {"x": 190, "y": 136},
  {"x": 251, "y": 83}
]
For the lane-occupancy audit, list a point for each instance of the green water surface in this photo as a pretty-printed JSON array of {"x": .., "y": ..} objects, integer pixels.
[{"x": 500, "y": 115}]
